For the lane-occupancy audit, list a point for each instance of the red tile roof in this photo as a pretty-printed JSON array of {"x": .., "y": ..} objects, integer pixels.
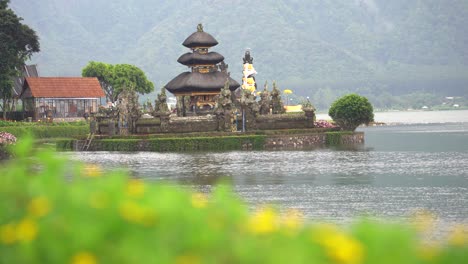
[{"x": 62, "y": 87}]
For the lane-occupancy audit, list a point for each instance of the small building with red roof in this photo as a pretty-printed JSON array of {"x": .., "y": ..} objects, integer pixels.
[{"x": 60, "y": 97}]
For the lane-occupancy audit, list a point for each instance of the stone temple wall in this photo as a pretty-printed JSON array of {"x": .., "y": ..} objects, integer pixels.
[{"x": 211, "y": 123}]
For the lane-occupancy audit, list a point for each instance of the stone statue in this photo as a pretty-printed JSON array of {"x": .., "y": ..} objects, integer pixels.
[
  {"x": 277, "y": 105},
  {"x": 200, "y": 27},
  {"x": 224, "y": 109},
  {"x": 223, "y": 67},
  {"x": 247, "y": 58},
  {"x": 128, "y": 110},
  {"x": 309, "y": 111},
  {"x": 160, "y": 104}
]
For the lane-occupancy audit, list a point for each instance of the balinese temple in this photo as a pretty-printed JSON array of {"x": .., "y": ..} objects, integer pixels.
[{"x": 196, "y": 90}]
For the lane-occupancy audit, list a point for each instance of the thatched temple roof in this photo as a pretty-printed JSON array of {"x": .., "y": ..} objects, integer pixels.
[
  {"x": 195, "y": 58},
  {"x": 200, "y": 39},
  {"x": 195, "y": 81}
]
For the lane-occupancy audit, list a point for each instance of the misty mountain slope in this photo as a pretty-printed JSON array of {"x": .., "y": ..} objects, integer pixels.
[{"x": 306, "y": 44}]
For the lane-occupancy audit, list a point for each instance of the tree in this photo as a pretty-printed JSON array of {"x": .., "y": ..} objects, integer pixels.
[
  {"x": 116, "y": 78},
  {"x": 17, "y": 44},
  {"x": 350, "y": 111}
]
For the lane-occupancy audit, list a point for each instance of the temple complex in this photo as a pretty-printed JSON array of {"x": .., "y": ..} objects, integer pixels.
[{"x": 197, "y": 89}]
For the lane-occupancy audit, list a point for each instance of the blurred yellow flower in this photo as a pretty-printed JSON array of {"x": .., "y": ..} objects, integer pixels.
[
  {"x": 287, "y": 91},
  {"x": 423, "y": 221},
  {"x": 135, "y": 188},
  {"x": 98, "y": 200},
  {"x": 339, "y": 246},
  {"x": 39, "y": 207},
  {"x": 92, "y": 171},
  {"x": 136, "y": 213},
  {"x": 458, "y": 236},
  {"x": 292, "y": 219},
  {"x": 187, "y": 259},
  {"x": 263, "y": 221},
  {"x": 199, "y": 200},
  {"x": 26, "y": 230},
  {"x": 8, "y": 234},
  {"x": 84, "y": 258},
  {"x": 428, "y": 251}
]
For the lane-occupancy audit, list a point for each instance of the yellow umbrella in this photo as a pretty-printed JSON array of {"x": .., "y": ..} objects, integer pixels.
[{"x": 287, "y": 91}]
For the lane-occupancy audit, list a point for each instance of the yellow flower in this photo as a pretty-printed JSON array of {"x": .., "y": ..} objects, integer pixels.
[
  {"x": 84, "y": 258},
  {"x": 199, "y": 200},
  {"x": 187, "y": 259},
  {"x": 98, "y": 200},
  {"x": 458, "y": 236},
  {"x": 26, "y": 230},
  {"x": 292, "y": 219},
  {"x": 39, "y": 207},
  {"x": 136, "y": 213},
  {"x": 92, "y": 171},
  {"x": 428, "y": 252},
  {"x": 135, "y": 188},
  {"x": 423, "y": 221},
  {"x": 8, "y": 234},
  {"x": 263, "y": 221},
  {"x": 339, "y": 247}
]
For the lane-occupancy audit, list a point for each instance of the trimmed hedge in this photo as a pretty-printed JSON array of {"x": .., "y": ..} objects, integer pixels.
[
  {"x": 334, "y": 138},
  {"x": 64, "y": 144},
  {"x": 255, "y": 142},
  {"x": 48, "y": 131}
]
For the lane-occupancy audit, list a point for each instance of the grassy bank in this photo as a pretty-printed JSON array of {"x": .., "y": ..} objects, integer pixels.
[{"x": 109, "y": 217}]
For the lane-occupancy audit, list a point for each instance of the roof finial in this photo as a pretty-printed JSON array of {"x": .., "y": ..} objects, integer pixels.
[{"x": 200, "y": 27}]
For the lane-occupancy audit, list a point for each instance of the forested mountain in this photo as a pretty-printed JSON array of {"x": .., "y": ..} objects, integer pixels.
[{"x": 317, "y": 48}]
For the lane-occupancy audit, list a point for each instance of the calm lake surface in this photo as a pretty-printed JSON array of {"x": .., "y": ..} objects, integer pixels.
[{"x": 419, "y": 163}]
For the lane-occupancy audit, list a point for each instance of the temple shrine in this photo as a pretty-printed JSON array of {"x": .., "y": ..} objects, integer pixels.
[{"x": 196, "y": 90}]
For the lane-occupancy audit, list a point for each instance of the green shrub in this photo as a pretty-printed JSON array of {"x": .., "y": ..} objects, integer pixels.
[
  {"x": 56, "y": 211},
  {"x": 350, "y": 111}
]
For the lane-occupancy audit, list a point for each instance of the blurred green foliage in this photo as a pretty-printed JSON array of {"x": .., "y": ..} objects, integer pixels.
[{"x": 53, "y": 210}]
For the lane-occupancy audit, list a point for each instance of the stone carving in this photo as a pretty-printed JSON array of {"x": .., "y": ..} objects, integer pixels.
[
  {"x": 277, "y": 105},
  {"x": 200, "y": 27},
  {"x": 223, "y": 68},
  {"x": 224, "y": 109},
  {"x": 309, "y": 111},
  {"x": 247, "y": 58},
  {"x": 160, "y": 104},
  {"x": 250, "y": 109},
  {"x": 128, "y": 111}
]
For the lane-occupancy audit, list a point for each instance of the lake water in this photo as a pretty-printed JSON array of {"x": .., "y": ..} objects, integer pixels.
[{"x": 419, "y": 164}]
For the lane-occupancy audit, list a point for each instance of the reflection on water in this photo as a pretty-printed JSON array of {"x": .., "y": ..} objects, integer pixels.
[{"x": 400, "y": 169}]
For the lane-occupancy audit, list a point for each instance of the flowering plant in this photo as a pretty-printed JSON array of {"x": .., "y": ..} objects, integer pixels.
[
  {"x": 323, "y": 124},
  {"x": 7, "y": 138}
]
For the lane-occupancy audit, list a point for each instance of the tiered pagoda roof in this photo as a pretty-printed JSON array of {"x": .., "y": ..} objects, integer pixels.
[{"x": 205, "y": 75}]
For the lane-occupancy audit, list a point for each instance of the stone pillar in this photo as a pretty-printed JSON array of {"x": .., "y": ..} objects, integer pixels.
[
  {"x": 165, "y": 122},
  {"x": 310, "y": 117},
  {"x": 228, "y": 119}
]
